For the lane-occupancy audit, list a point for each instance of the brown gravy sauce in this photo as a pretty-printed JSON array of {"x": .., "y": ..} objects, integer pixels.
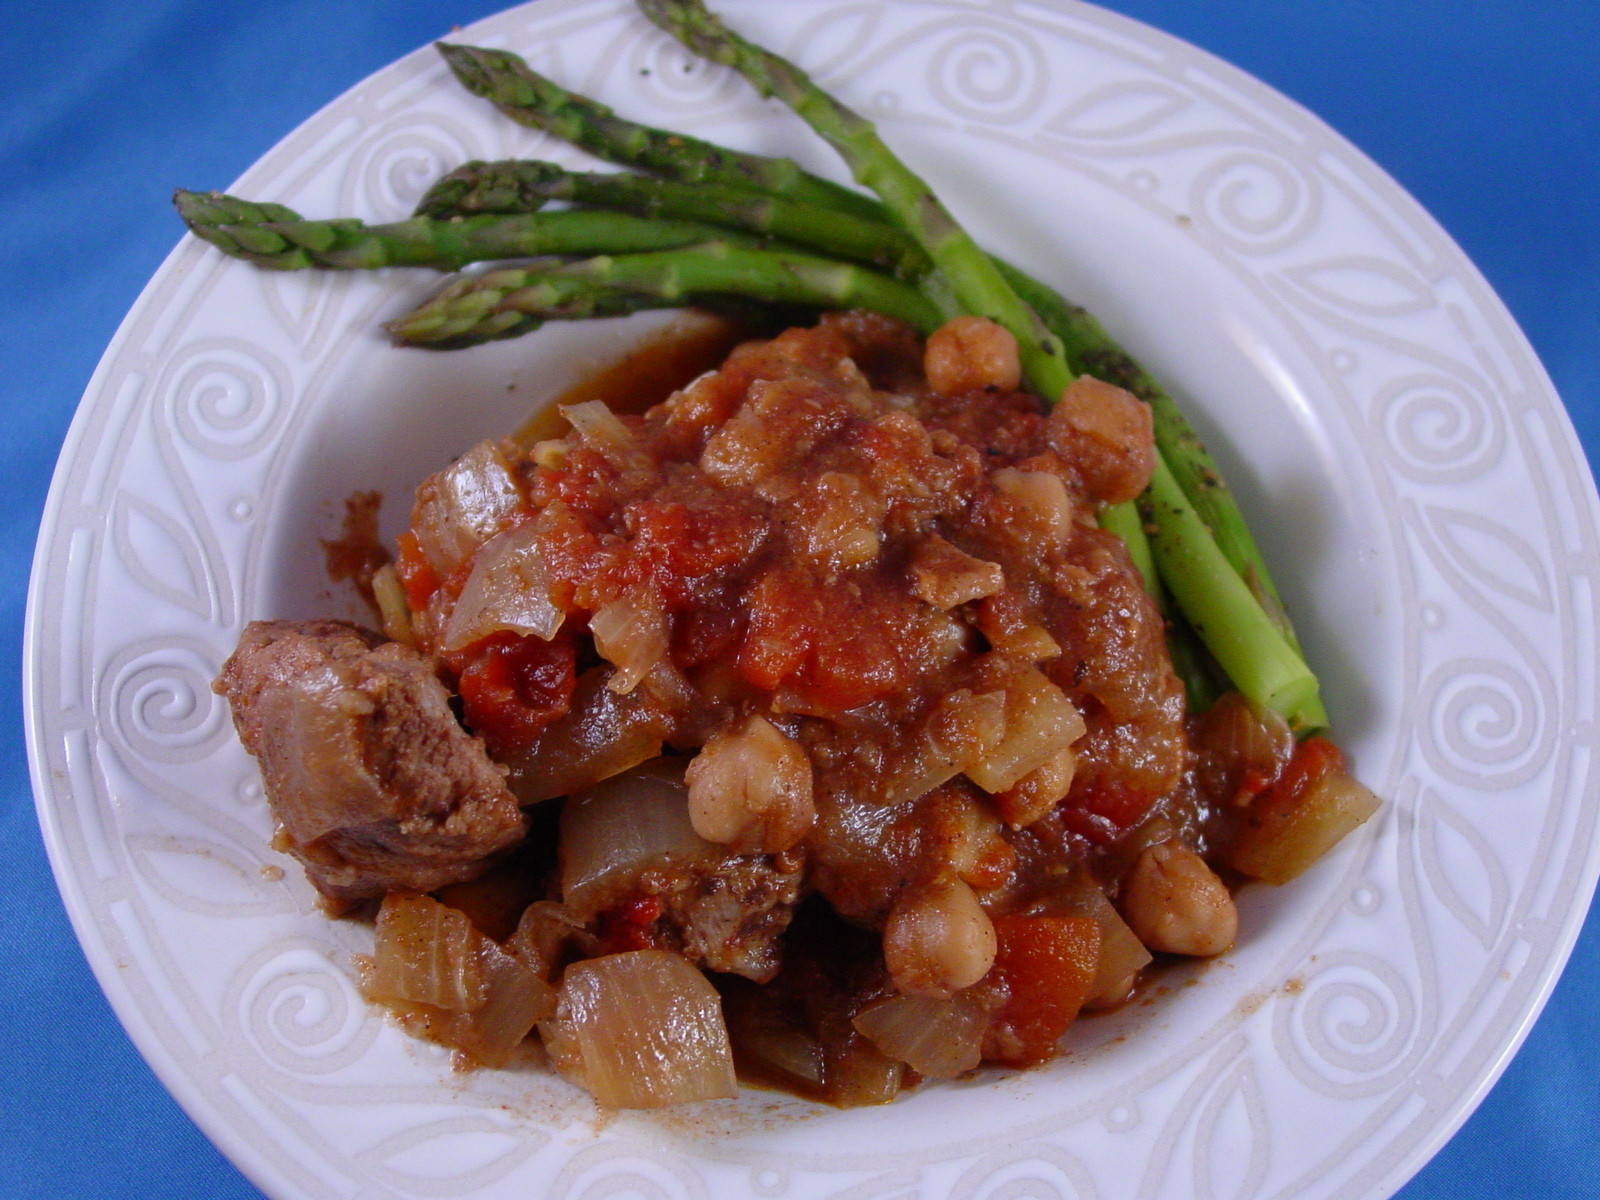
[{"x": 646, "y": 375}]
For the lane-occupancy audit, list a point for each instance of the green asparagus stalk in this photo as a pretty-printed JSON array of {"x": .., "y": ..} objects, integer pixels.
[
  {"x": 1246, "y": 643},
  {"x": 530, "y": 99},
  {"x": 508, "y": 303},
  {"x": 495, "y": 303},
  {"x": 972, "y": 275},
  {"x": 271, "y": 235},
  {"x": 517, "y": 186}
]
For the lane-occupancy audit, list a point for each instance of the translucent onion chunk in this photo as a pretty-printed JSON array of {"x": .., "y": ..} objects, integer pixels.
[
  {"x": 641, "y": 1029},
  {"x": 611, "y": 833},
  {"x": 632, "y": 635},
  {"x": 461, "y": 507},
  {"x": 602, "y": 430},
  {"x": 447, "y": 982},
  {"x": 507, "y": 589},
  {"x": 1006, "y": 734},
  {"x": 425, "y": 953},
  {"x": 1283, "y": 841},
  {"x": 604, "y": 734},
  {"x": 934, "y": 1037}
]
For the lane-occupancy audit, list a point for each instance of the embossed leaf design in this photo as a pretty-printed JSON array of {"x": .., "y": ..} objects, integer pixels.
[
  {"x": 1231, "y": 1136},
  {"x": 1364, "y": 285},
  {"x": 205, "y": 878},
  {"x": 1119, "y": 111},
  {"x": 836, "y": 40},
  {"x": 1038, "y": 1171},
  {"x": 454, "y": 1156},
  {"x": 1492, "y": 554},
  {"x": 161, "y": 553},
  {"x": 626, "y": 1167},
  {"x": 1461, "y": 867},
  {"x": 304, "y": 303}
]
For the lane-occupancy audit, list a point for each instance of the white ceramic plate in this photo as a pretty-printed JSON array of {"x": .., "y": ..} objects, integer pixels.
[{"x": 1416, "y": 482}]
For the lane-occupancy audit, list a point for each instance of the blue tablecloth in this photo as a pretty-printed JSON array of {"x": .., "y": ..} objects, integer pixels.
[{"x": 1488, "y": 111}]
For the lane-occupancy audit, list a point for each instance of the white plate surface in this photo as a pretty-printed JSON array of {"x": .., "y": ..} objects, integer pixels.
[{"x": 1413, "y": 476}]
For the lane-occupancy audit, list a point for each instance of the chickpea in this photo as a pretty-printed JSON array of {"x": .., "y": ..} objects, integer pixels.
[
  {"x": 1044, "y": 507},
  {"x": 938, "y": 940},
  {"x": 1174, "y": 903},
  {"x": 750, "y": 788},
  {"x": 970, "y": 354}
]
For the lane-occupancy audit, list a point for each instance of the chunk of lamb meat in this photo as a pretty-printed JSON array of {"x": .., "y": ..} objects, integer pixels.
[{"x": 374, "y": 784}]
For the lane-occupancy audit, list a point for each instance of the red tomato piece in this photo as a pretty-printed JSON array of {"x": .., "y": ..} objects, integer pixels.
[
  {"x": 512, "y": 687},
  {"x": 1047, "y": 965}
]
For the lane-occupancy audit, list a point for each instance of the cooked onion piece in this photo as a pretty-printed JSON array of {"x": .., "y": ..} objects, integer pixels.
[
  {"x": 939, "y": 1038},
  {"x": 1301, "y": 817},
  {"x": 449, "y": 983},
  {"x": 390, "y": 598},
  {"x": 856, "y": 1073},
  {"x": 1242, "y": 748},
  {"x": 1036, "y": 723},
  {"x": 425, "y": 953},
  {"x": 461, "y": 507},
  {"x": 603, "y": 734},
  {"x": 947, "y": 577},
  {"x": 611, "y": 833},
  {"x": 602, "y": 430},
  {"x": 641, "y": 1029},
  {"x": 507, "y": 589},
  {"x": 631, "y": 634}
]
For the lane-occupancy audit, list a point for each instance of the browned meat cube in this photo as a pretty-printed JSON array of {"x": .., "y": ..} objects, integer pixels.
[{"x": 375, "y": 785}]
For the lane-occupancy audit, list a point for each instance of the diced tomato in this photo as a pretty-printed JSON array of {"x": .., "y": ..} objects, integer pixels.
[
  {"x": 417, "y": 577},
  {"x": 835, "y": 650},
  {"x": 1047, "y": 965},
  {"x": 672, "y": 545},
  {"x": 1103, "y": 811},
  {"x": 777, "y": 633},
  {"x": 512, "y": 687},
  {"x": 630, "y": 925}
]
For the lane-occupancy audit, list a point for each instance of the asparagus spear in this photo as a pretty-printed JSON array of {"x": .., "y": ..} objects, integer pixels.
[
  {"x": 516, "y": 186},
  {"x": 1249, "y": 647},
  {"x": 498, "y": 303},
  {"x": 973, "y": 277},
  {"x": 508, "y": 303},
  {"x": 271, "y": 235},
  {"x": 530, "y": 99}
]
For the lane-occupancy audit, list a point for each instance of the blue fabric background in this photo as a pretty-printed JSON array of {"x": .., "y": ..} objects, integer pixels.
[{"x": 1488, "y": 111}]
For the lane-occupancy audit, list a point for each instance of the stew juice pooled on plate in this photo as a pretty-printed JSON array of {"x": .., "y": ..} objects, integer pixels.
[{"x": 805, "y": 728}]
